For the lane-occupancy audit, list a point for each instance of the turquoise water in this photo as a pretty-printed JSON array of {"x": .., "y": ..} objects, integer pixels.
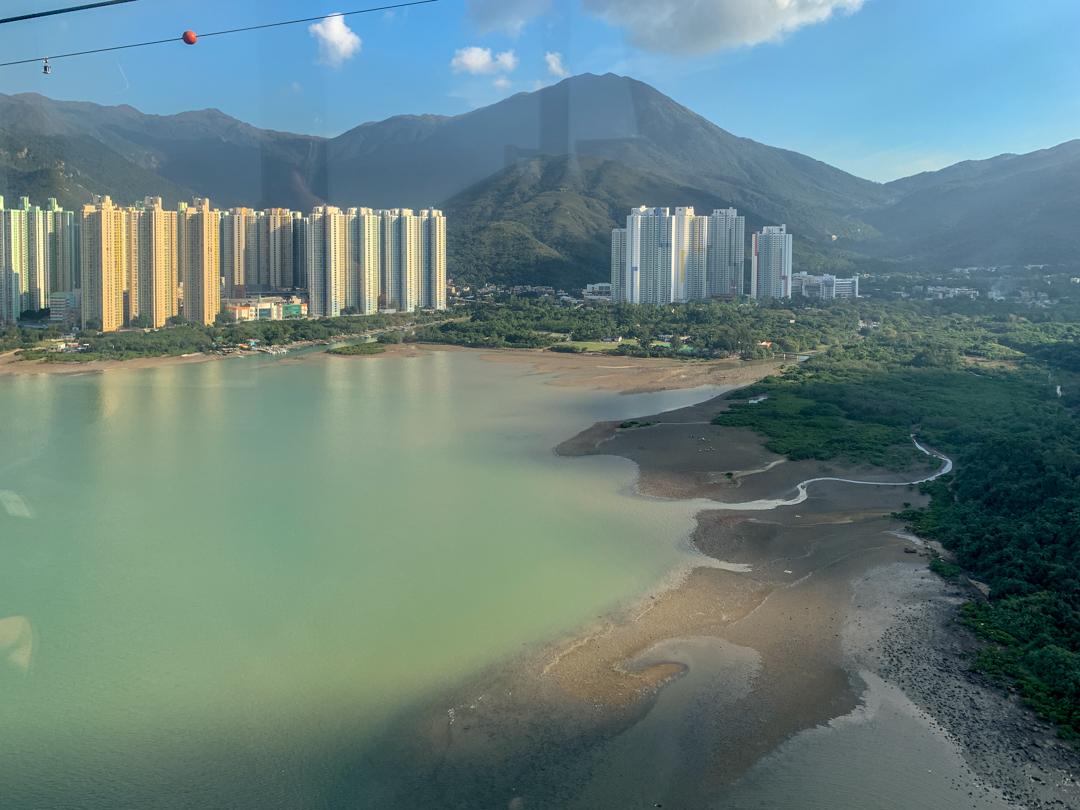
[{"x": 211, "y": 573}]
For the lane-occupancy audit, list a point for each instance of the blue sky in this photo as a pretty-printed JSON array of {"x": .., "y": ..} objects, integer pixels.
[{"x": 881, "y": 88}]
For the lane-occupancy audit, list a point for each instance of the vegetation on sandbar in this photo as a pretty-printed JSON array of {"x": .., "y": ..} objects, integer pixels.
[{"x": 358, "y": 349}]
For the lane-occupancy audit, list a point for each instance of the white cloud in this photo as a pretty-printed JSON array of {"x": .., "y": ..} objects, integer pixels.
[
  {"x": 502, "y": 82},
  {"x": 337, "y": 42},
  {"x": 703, "y": 26},
  {"x": 478, "y": 60},
  {"x": 505, "y": 15},
  {"x": 555, "y": 65}
]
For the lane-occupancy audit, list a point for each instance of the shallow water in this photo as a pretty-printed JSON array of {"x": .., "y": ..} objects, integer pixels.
[
  {"x": 657, "y": 761},
  {"x": 220, "y": 575},
  {"x": 886, "y": 755}
]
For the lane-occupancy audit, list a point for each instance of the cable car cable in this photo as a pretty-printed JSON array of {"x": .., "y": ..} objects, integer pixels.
[
  {"x": 35, "y": 15},
  {"x": 220, "y": 33}
]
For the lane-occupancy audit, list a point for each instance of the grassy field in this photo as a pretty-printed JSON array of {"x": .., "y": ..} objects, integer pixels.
[{"x": 599, "y": 346}]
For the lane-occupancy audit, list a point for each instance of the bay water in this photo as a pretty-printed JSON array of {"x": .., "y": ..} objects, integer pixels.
[{"x": 212, "y": 574}]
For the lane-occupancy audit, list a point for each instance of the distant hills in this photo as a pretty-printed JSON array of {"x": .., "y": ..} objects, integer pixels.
[
  {"x": 612, "y": 117},
  {"x": 534, "y": 183},
  {"x": 219, "y": 157},
  {"x": 73, "y": 170},
  {"x": 1011, "y": 209},
  {"x": 552, "y": 216}
]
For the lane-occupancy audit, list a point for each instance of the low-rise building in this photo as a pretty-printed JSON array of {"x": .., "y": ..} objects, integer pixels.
[
  {"x": 266, "y": 309},
  {"x": 65, "y": 307},
  {"x": 828, "y": 287},
  {"x": 951, "y": 292}
]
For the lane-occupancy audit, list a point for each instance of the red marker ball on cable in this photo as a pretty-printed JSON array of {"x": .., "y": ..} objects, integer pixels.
[{"x": 190, "y": 38}]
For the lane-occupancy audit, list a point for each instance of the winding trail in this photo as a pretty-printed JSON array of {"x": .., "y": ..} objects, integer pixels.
[{"x": 773, "y": 503}]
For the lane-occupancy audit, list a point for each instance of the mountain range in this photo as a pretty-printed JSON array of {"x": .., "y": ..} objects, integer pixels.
[{"x": 533, "y": 185}]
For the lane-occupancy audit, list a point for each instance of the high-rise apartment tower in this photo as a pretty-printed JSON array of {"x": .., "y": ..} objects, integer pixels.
[
  {"x": 770, "y": 271},
  {"x": 726, "y": 253},
  {"x": 157, "y": 262},
  {"x": 327, "y": 260},
  {"x": 104, "y": 264},
  {"x": 365, "y": 249},
  {"x": 198, "y": 231}
]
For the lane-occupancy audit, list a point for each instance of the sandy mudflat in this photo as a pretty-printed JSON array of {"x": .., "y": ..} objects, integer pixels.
[
  {"x": 626, "y": 374},
  {"x": 783, "y": 600},
  {"x": 10, "y": 364},
  {"x": 636, "y": 375},
  {"x": 786, "y": 609}
]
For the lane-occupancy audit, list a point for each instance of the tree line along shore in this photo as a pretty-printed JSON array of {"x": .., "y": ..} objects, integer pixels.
[{"x": 992, "y": 384}]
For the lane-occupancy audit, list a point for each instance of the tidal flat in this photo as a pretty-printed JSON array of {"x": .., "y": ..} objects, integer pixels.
[{"x": 804, "y": 660}]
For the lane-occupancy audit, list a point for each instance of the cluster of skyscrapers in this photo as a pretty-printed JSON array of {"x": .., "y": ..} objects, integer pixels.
[
  {"x": 662, "y": 257},
  {"x": 145, "y": 264},
  {"x": 39, "y": 254}
]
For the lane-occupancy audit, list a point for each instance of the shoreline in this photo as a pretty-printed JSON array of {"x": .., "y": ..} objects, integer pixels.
[
  {"x": 624, "y": 374},
  {"x": 636, "y": 375},
  {"x": 1020, "y": 759},
  {"x": 772, "y": 606},
  {"x": 10, "y": 365}
]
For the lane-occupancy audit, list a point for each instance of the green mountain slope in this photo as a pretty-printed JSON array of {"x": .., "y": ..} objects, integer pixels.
[
  {"x": 1012, "y": 209},
  {"x": 74, "y": 169},
  {"x": 226, "y": 160},
  {"x": 419, "y": 158},
  {"x": 549, "y": 220}
]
